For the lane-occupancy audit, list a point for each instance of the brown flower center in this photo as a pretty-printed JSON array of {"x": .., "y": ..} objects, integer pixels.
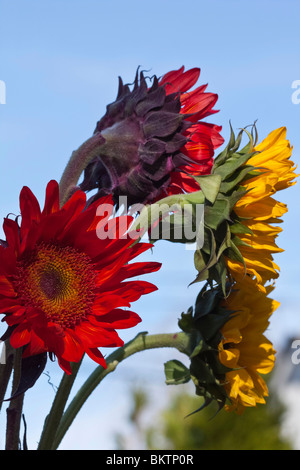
[{"x": 59, "y": 281}]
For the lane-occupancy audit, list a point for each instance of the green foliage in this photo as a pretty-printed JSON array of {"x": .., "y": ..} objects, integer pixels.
[{"x": 203, "y": 324}]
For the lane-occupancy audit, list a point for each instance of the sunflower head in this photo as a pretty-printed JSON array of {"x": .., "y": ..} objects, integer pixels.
[
  {"x": 244, "y": 347},
  {"x": 203, "y": 324},
  {"x": 64, "y": 272},
  {"x": 239, "y": 232},
  {"x": 229, "y": 351},
  {"x": 151, "y": 132}
]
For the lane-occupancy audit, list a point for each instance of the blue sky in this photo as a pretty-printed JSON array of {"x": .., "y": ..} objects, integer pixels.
[{"x": 60, "y": 60}]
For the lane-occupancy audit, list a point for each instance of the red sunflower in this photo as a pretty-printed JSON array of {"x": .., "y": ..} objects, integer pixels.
[
  {"x": 154, "y": 138},
  {"x": 63, "y": 289},
  {"x": 203, "y": 138}
]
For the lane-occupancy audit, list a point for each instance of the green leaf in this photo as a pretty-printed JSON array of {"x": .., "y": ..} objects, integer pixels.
[
  {"x": 199, "y": 261},
  {"x": 197, "y": 350},
  {"x": 176, "y": 373},
  {"x": 239, "y": 227},
  {"x": 201, "y": 372},
  {"x": 206, "y": 302},
  {"x": 214, "y": 215},
  {"x": 186, "y": 322},
  {"x": 232, "y": 164},
  {"x": 234, "y": 179},
  {"x": 212, "y": 323},
  {"x": 210, "y": 186},
  {"x": 235, "y": 254}
]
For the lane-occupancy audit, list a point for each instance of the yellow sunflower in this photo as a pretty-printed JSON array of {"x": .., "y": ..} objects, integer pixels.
[
  {"x": 244, "y": 347},
  {"x": 258, "y": 210}
]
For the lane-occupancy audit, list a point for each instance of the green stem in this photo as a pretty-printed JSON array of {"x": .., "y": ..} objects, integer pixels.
[
  {"x": 53, "y": 419},
  {"x": 6, "y": 370},
  {"x": 14, "y": 411},
  {"x": 141, "y": 342},
  {"x": 79, "y": 160}
]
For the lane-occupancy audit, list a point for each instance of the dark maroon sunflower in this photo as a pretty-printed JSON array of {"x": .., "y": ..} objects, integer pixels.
[
  {"x": 155, "y": 139},
  {"x": 63, "y": 289}
]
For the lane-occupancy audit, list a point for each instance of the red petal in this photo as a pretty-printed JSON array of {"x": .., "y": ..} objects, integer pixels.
[
  {"x": 132, "y": 290},
  {"x": 36, "y": 346},
  {"x": 117, "y": 319},
  {"x": 104, "y": 209},
  {"x": 180, "y": 81},
  {"x": 107, "y": 302},
  {"x": 136, "y": 269},
  {"x": 15, "y": 317},
  {"x": 201, "y": 106},
  {"x": 52, "y": 198},
  {"x": 64, "y": 365},
  {"x": 73, "y": 348},
  {"x": 138, "y": 249},
  {"x": 96, "y": 356},
  {"x": 30, "y": 209},
  {"x": 6, "y": 288},
  {"x": 11, "y": 230},
  {"x": 53, "y": 336},
  {"x": 21, "y": 335},
  {"x": 93, "y": 336},
  {"x": 8, "y": 304}
]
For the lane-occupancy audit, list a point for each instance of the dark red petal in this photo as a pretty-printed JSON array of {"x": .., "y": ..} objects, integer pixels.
[
  {"x": 6, "y": 288},
  {"x": 30, "y": 209},
  {"x": 50, "y": 228},
  {"x": 8, "y": 304},
  {"x": 212, "y": 130},
  {"x": 7, "y": 261},
  {"x": 21, "y": 335},
  {"x": 186, "y": 97},
  {"x": 96, "y": 355},
  {"x": 202, "y": 107},
  {"x": 104, "y": 208},
  {"x": 138, "y": 249},
  {"x": 136, "y": 269},
  {"x": 73, "y": 347},
  {"x": 171, "y": 76},
  {"x": 75, "y": 205},
  {"x": 112, "y": 270},
  {"x": 64, "y": 365},
  {"x": 52, "y": 198},
  {"x": 36, "y": 346},
  {"x": 117, "y": 319},
  {"x": 16, "y": 317},
  {"x": 132, "y": 290},
  {"x": 93, "y": 336},
  {"x": 116, "y": 227},
  {"x": 108, "y": 301},
  {"x": 11, "y": 230},
  {"x": 53, "y": 336},
  {"x": 180, "y": 81}
]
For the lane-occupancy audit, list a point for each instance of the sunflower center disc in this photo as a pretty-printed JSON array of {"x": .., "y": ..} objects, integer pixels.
[{"x": 60, "y": 281}]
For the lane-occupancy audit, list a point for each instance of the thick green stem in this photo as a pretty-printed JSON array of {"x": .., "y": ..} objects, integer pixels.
[
  {"x": 79, "y": 160},
  {"x": 141, "y": 342},
  {"x": 14, "y": 411},
  {"x": 53, "y": 419}
]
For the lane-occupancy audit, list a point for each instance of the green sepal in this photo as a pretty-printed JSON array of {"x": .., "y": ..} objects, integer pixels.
[
  {"x": 206, "y": 302},
  {"x": 176, "y": 373},
  {"x": 233, "y": 181},
  {"x": 204, "y": 323},
  {"x": 240, "y": 228},
  {"x": 210, "y": 186},
  {"x": 186, "y": 322}
]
